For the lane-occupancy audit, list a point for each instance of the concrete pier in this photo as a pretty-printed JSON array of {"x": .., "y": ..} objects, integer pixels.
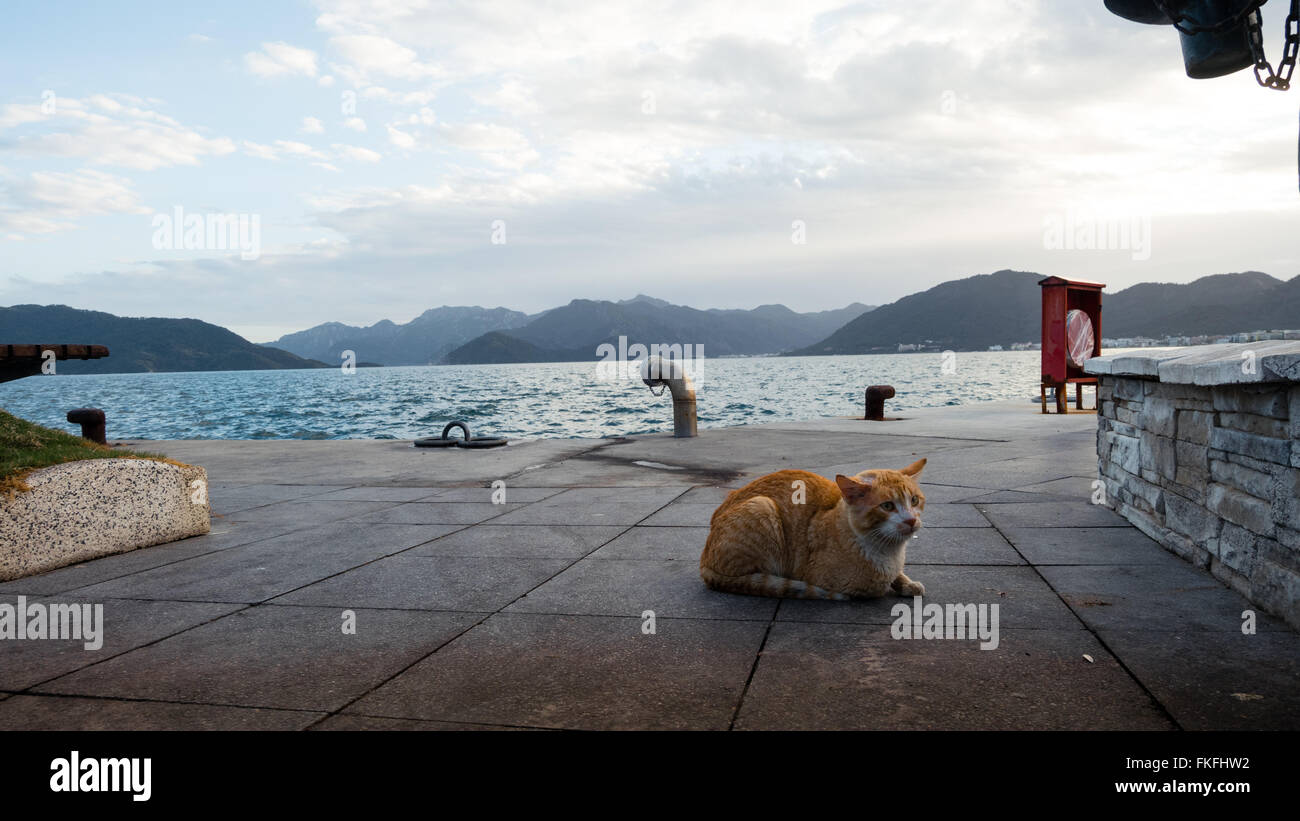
[{"x": 370, "y": 584}]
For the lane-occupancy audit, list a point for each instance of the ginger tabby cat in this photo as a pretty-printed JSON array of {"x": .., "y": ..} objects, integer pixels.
[{"x": 848, "y": 538}]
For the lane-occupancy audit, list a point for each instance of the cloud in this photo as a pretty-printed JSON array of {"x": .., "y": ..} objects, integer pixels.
[
  {"x": 356, "y": 153},
  {"x": 112, "y": 130},
  {"x": 46, "y": 202},
  {"x": 279, "y": 59},
  {"x": 355, "y": 123},
  {"x": 367, "y": 55},
  {"x": 311, "y": 125},
  {"x": 400, "y": 138}
]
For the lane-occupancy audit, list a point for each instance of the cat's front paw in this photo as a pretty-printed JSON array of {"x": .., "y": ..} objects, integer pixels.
[{"x": 911, "y": 588}]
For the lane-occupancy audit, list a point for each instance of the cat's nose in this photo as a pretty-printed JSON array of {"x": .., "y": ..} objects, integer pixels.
[{"x": 912, "y": 522}]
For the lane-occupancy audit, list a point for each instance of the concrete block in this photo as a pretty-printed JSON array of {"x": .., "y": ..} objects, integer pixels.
[
  {"x": 1241, "y": 508},
  {"x": 97, "y": 507}
]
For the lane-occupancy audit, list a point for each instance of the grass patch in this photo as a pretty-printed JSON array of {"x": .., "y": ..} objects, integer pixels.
[{"x": 25, "y": 447}]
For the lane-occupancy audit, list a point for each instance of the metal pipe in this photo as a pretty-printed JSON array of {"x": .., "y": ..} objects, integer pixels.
[{"x": 656, "y": 371}]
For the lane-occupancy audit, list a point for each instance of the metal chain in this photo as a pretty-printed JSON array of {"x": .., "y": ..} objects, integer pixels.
[
  {"x": 1264, "y": 74},
  {"x": 1180, "y": 20}
]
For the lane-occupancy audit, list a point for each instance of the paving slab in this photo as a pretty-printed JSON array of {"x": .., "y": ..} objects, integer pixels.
[
  {"x": 960, "y": 545},
  {"x": 300, "y": 513},
  {"x": 431, "y": 513},
  {"x": 1089, "y": 545},
  {"x": 1217, "y": 680},
  {"x": 681, "y": 515},
  {"x": 1024, "y": 600},
  {"x": 1078, "y": 488},
  {"x": 31, "y": 712},
  {"x": 855, "y": 677},
  {"x": 379, "y": 494},
  {"x": 575, "y": 672},
  {"x": 521, "y": 541},
  {"x": 430, "y": 583},
  {"x": 705, "y": 496},
  {"x": 952, "y": 515},
  {"x": 594, "y": 506},
  {"x": 1163, "y": 598},
  {"x": 271, "y": 656},
  {"x": 256, "y": 572},
  {"x": 225, "y": 499},
  {"x": 674, "y": 543},
  {"x": 126, "y": 625},
  {"x": 352, "y": 723},
  {"x": 1076, "y": 514},
  {"x": 513, "y": 495},
  {"x": 629, "y": 587}
]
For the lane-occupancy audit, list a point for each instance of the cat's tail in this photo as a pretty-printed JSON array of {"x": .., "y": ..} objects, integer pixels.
[{"x": 765, "y": 584}]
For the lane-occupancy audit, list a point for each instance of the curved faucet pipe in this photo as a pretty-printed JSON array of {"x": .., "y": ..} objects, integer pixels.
[{"x": 657, "y": 371}]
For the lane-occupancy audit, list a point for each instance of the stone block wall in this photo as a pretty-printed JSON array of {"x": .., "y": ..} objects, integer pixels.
[{"x": 1212, "y": 472}]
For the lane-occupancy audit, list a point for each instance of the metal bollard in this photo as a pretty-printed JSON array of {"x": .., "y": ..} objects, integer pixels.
[
  {"x": 92, "y": 424},
  {"x": 876, "y": 396}
]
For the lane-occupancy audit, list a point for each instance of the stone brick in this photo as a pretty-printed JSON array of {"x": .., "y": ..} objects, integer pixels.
[
  {"x": 1294, "y": 402},
  {"x": 1240, "y": 508},
  {"x": 1143, "y": 494},
  {"x": 1157, "y": 455},
  {"x": 1248, "y": 444},
  {"x": 1253, "y": 423},
  {"x": 1104, "y": 390},
  {"x": 1160, "y": 416},
  {"x": 1277, "y": 589},
  {"x": 1236, "y": 547},
  {"x": 1194, "y": 426},
  {"x": 1254, "y": 482},
  {"x": 1285, "y": 493},
  {"x": 1128, "y": 389},
  {"x": 1190, "y": 519},
  {"x": 1262, "y": 400},
  {"x": 1125, "y": 451}
]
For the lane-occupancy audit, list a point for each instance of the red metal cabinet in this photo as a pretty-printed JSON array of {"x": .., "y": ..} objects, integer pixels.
[{"x": 1060, "y": 296}]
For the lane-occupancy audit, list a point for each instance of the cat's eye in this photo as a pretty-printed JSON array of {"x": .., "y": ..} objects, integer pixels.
[
  {"x": 887, "y": 505},
  {"x": 915, "y": 501}
]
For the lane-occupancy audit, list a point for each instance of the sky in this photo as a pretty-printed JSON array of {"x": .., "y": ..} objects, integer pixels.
[{"x": 386, "y": 157}]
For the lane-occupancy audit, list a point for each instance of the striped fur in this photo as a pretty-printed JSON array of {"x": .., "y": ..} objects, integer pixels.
[{"x": 795, "y": 534}]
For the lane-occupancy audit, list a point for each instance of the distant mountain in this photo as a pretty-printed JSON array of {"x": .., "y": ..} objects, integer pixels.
[
  {"x": 1219, "y": 304},
  {"x": 422, "y": 341},
  {"x": 573, "y": 332},
  {"x": 964, "y": 314},
  {"x": 1004, "y": 308},
  {"x": 143, "y": 344}
]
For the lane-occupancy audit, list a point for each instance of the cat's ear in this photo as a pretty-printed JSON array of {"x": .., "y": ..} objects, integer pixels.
[
  {"x": 852, "y": 488},
  {"x": 914, "y": 468}
]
